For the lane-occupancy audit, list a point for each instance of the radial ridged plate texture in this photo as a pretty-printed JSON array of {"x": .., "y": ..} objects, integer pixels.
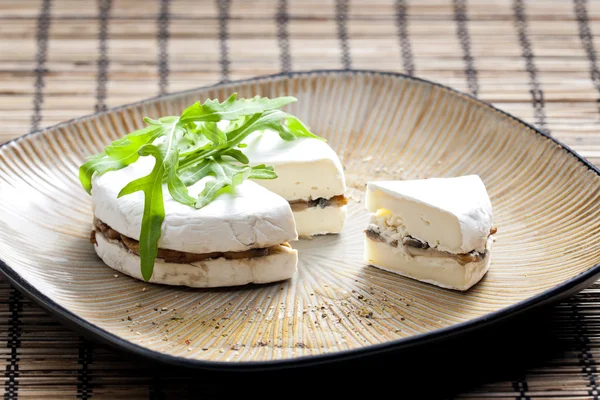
[{"x": 384, "y": 126}]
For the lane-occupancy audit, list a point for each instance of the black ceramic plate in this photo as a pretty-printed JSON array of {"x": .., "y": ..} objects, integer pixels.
[{"x": 384, "y": 126}]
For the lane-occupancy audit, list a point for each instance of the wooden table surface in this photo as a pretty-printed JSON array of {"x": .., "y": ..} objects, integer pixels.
[{"x": 60, "y": 59}]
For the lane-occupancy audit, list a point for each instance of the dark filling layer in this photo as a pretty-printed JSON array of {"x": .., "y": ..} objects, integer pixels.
[
  {"x": 416, "y": 247},
  {"x": 335, "y": 201},
  {"x": 179, "y": 257}
]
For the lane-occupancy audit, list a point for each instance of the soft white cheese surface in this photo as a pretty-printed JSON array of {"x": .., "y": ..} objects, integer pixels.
[
  {"x": 249, "y": 217},
  {"x": 320, "y": 221},
  {"x": 450, "y": 214},
  {"x": 307, "y": 168}
]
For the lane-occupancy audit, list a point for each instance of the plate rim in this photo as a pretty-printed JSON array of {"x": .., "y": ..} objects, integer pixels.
[{"x": 94, "y": 332}]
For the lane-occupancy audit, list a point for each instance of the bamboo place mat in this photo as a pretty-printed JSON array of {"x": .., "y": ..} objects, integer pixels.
[{"x": 60, "y": 59}]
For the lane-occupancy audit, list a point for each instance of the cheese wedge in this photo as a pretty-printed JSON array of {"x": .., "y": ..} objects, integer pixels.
[
  {"x": 240, "y": 237},
  {"x": 310, "y": 177},
  {"x": 436, "y": 230}
]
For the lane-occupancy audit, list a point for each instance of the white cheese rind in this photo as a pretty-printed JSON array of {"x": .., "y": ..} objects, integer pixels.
[
  {"x": 450, "y": 214},
  {"x": 307, "y": 168},
  {"x": 218, "y": 272},
  {"x": 249, "y": 217},
  {"x": 320, "y": 221},
  {"x": 443, "y": 272}
]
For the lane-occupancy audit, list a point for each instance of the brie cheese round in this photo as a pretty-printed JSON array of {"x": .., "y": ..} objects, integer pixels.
[{"x": 248, "y": 217}]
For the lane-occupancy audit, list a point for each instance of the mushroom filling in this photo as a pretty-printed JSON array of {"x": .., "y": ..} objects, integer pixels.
[
  {"x": 321, "y": 202},
  {"x": 415, "y": 247},
  {"x": 386, "y": 228},
  {"x": 174, "y": 256}
]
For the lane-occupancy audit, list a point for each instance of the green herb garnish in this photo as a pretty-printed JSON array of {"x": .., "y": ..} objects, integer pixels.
[{"x": 188, "y": 148}]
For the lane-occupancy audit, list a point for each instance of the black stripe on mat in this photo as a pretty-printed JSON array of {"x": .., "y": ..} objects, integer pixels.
[
  {"x": 341, "y": 19},
  {"x": 84, "y": 377},
  {"x": 86, "y": 352},
  {"x": 43, "y": 25},
  {"x": 537, "y": 95},
  {"x": 163, "y": 46},
  {"x": 405, "y": 47},
  {"x": 13, "y": 343},
  {"x": 103, "y": 61},
  {"x": 537, "y": 100},
  {"x": 15, "y": 305},
  {"x": 283, "y": 36},
  {"x": 462, "y": 31},
  {"x": 586, "y": 358},
  {"x": 223, "y": 6},
  {"x": 587, "y": 40}
]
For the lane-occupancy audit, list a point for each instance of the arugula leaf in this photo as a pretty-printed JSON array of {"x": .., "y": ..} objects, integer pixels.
[
  {"x": 298, "y": 129},
  {"x": 236, "y": 155},
  {"x": 151, "y": 121},
  {"x": 237, "y": 135},
  {"x": 232, "y": 108},
  {"x": 119, "y": 154},
  {"x": 98, "y": 163},
  {"x": 226, "y": 174},
  {"x": 210, "y": 191},
  {"x": 169, "y": 150},
  {"x": 177, "y": 188},
  {"x": 154, "y": 210},
  {"x": 214, "y": 134},
  {"x": 273, "y": 120},
  {"x": 262, "y": 172},
  {"x": 196, "y": 172}
]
